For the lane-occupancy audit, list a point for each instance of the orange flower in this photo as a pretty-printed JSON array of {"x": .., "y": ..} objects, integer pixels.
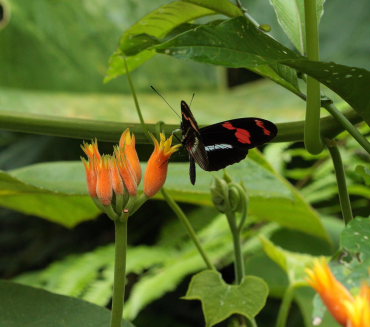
[
  {"x": 331, "y": 291},
  {"x": 90, "y": 176},
  {"x": 104, "y": 188},
  {"x": 359, "y": 309},
  {"x": 126, "y": 171},
  {"x": 117, "y": 183},
  {"x": 127, "y": 144},
  {"x": 156, "y": 171}
]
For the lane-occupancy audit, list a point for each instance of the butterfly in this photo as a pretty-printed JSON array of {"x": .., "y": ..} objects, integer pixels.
[{"x": 219, "y": 145}]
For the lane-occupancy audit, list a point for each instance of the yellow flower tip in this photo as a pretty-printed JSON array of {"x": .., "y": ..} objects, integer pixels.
[
  {"x": 331, "y": 291},
  {"x": 104, "y": 188},
  {"x": 358, "y": 310},
  {"x": 91, "y": 150},
  {"x": 126, "y": 138},
  {"x": 156, "y": 171}
]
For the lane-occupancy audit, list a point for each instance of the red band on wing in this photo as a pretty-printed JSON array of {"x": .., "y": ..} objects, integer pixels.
[
  {"x": 259, "y": 123},
  {"x": 241, "y": 134}
]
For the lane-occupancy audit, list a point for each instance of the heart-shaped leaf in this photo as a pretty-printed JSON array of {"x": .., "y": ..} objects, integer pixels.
[{"x": 220, "y": 300}]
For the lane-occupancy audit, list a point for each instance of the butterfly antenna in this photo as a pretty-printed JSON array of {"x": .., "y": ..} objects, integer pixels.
[
  {"x": 192, "y": 98},
  {"x": 164, "y": 100}
]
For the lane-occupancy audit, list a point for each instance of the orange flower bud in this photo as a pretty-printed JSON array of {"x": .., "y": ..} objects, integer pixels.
[
  {"x": 127, "y": 145},
  {"x": 91, "y": 150},
  {"x": 331, "y": 291},
  {"x": 359, "y": 309},
  {"x": 156, "y": 171},
  {"x": 90, "y": 177},
  {"x": 104, "y": 189},
  {"x": 117, "y": 182},
  {"x": 126, "y": 171}
]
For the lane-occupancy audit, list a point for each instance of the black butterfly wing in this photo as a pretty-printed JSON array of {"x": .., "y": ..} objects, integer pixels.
[
  {"x": 191, "y": 138},
  {"x": 228, "y": 142}
]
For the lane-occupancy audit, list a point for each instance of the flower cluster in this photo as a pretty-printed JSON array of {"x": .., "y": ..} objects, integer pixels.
[
  {"x": 113, "y": 179},
  {"x": 349, "y": 311}
]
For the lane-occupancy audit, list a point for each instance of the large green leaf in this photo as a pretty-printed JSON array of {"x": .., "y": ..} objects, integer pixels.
[
  {"x": 156, "y": 24},
  {"x": 68, "y": 43},
  {"x": 64, "y": 208},
  {"x": 220, "y": 300},
  {"x": 269, "y": 193},
  {"x": 238, "y": 43},
  {"x": 290, "y": 15},
  {"x": 27, "y": 306},
  {"x": 234, "y": 43}
]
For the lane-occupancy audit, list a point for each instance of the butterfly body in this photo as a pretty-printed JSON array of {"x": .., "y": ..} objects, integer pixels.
[{"x": 219, "y": 145}]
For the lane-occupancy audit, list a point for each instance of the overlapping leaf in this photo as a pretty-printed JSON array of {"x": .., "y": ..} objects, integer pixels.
[{"x": 238, "y": 43}]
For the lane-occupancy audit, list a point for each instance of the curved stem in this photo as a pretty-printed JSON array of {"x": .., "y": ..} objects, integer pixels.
[
  {"x": 285, "y": 306},
  {"x": 119, "y": 269},
  {"x": 312, "y": 137},
  {"x": 239, "y": 261},
  {"x": 344, "y": 200},
  {"x": 348, "y": 126},
  {"x": 181, "y": 215}
]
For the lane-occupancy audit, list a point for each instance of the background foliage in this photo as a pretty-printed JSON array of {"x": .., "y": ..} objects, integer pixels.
[{"x": 53, "y": 58}]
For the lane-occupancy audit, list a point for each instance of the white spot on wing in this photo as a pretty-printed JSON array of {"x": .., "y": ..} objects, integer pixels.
[{"x": 218, "y": 147}]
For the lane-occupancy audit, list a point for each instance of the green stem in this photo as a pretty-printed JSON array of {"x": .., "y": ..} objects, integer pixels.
[
  {"x": 285, "y": 306},
  {"x": 312, "y": 137},
  {"x": 136, "y": 101},
  {"x": 344, "y": 200},
  {"x": 111, "y": 131},
  {"x": 181, "y": 215},
  {"x": 239, "y": 261},
  {"x": 348, "y": 126},
  {"x": 119, "y": 269}
]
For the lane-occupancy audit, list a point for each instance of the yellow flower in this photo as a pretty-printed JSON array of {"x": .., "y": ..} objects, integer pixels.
[
  {"x": 359, "y": 309},
  {"x": 127, "y": 144},
  {"x": 156, "y": 171},
  {"x": 331, "y": 291}
]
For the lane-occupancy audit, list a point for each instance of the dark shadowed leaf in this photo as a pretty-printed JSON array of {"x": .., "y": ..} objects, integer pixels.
[
  {"x": 234, "y": 43},
  {"x": 27, "y": 306}
]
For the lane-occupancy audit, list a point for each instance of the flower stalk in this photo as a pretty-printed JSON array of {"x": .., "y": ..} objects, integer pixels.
[
  {"x": 344, "y": 200},
  {"x": 119, "y": 269}
]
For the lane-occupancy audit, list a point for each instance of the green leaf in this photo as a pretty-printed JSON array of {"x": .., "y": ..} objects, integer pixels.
[
  {"x": 267, "y": 190},
  {"x": 351, "y": 83},
  {"x": 294, "y": 264},
  {"x": 355, "y": 238},
  {"x": 64, "y": 208},
  {"x": 27, "y": 306},
  {"x": 220, "y": 300},
  {"x": 156, "y": 25},
  {"x": 234, "y": 43},
  {"x": 220, "y": 6},
  {"x": 290, "y": 15},
  {"x": 364, "y": 172}
]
